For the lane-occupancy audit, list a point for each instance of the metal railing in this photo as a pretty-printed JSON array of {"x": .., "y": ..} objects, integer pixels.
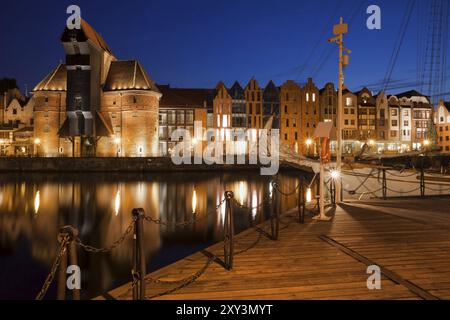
[{"x": 69, "y": 241}]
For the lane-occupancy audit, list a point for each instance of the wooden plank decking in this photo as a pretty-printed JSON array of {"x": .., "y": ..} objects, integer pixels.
[{"x": 409, "y": 239}]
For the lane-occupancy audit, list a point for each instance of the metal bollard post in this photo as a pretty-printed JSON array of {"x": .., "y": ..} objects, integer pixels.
[
  {"x": 62, "y": 269},
  {"x": 70, "y": 256},
  {"x": 318, "y": 193},
  {"x": 422, "y": 182},
  {"x": 301, "y": 201},
  {"x": 333, "y": 191},
  {"x": 228, "y": 230},
  {"x": 139, "y": 262},
  {"x": 275, "y": 213},
  {"x": 384, "y": 185}
]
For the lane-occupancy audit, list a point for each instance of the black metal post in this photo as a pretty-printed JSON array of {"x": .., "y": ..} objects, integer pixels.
[
  {"x": 422, "y": 181},
  {"x": 229, "y": 231},
  {"x": 275, "y": 213},
  {"x": 301, "y": 201},
  {"x": 139, "y": 262},
  {"x": 318, "y": 192},
  {"x": 384, "y": 185}
]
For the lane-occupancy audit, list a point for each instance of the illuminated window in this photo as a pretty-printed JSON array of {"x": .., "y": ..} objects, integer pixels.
[
  {"x": 314, "y": 97},
  {"x": 307, "y": 97},
  {"x": 225, "y": 121},
  {"x": 348, "y": 102}
]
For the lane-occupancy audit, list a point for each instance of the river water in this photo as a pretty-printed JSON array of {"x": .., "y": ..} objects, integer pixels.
[{"x": 34, "y": 207}]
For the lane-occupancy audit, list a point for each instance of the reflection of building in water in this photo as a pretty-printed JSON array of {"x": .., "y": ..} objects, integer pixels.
[{"x": 90, "y": 203}]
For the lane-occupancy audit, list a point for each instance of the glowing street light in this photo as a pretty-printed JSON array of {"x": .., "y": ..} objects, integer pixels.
[
  {"x": 426, "y": 143},
  {"x": 335, "y": 174}
]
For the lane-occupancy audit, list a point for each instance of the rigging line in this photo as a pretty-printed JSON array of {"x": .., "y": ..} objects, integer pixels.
[
  {"x": 445, "y": 13},
  {"x": 319, "y": 40},
  {"x": 400, "y": 38},
  {"x": 329, "y": 50}
]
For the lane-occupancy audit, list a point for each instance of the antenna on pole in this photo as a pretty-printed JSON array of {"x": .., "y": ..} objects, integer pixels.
[{"x": 338, "y": 31}]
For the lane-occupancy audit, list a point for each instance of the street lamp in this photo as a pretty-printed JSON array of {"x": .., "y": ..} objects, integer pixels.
[
  {"x": 335, "y": 174},
  {"x": 37, "y": 142}
]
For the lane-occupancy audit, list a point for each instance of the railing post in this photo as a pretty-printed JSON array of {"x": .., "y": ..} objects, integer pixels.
[
  {"x": 384, "y": 185},
  {"x": 275, "y": 213},
  {"x": 70, "y": 256},
  {"x": 422, "y": 181},
  {"x": 333, "y": 191},
  {"x": 62, "y": 269},
  {"x": 318, "y": 193},
  {"x": 228, "y": 230},
  {"x": 139, "y": 262},
  {"x": 301, "y": 201}
]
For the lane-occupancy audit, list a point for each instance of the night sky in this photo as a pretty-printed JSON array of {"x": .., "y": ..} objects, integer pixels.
[{"x": 196, "y": 43}]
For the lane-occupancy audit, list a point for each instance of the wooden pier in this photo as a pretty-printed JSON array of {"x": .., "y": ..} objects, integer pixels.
[{"x": 408, "y": 239}]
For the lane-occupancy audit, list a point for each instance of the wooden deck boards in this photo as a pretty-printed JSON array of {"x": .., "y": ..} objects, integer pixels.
[{"x": 408, "y": 238}]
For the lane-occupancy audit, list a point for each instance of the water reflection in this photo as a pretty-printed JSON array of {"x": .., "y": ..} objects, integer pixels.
[{"x": 33, "y": 208}]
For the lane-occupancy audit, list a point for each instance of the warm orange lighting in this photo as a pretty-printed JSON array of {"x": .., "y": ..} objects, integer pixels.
[
  {"x": 117, "y": 203},
  {"x": 309, "y": 142},
  {"x": 37, "y": 202},
  {"x": 194, "y": 202},
  {"x": 309, "y": 195}
]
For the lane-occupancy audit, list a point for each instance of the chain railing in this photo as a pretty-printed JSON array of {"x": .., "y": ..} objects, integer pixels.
[{"x": 70, "y": 240}]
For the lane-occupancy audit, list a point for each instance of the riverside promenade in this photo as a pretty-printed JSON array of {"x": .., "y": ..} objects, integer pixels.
[{"x": 407, "y": 238}]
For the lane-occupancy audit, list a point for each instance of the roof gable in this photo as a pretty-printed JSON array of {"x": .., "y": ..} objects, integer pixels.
[
  {"x": 128, "y": 75},
  {"x": 54, "y": 81}
]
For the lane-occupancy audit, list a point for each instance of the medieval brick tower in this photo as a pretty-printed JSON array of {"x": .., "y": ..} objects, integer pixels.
[{"x": 96, "y": 105}]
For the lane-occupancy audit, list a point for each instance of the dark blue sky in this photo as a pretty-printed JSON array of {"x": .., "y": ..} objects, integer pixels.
[{"x": 196, "y": 43}]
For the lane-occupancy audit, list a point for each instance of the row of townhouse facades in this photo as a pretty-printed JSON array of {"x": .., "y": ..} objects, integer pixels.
[
  {"x": 16, "y": 122},
  {"x": 98, "y": 105},
  {"x": 393, "y": 123}
]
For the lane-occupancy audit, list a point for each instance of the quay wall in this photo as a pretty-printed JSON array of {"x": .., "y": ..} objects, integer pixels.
[{"x": 11, "y": 165}]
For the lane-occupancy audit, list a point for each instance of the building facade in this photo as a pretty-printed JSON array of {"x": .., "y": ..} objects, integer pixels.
[
  {"x": 442, "y": 121},
  {"x": 94, "y": 104}
]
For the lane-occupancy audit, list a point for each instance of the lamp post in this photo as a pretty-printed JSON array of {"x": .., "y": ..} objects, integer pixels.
[
  {"x": 37, "y": 142},
  {"x": 339, "y": 30}
]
